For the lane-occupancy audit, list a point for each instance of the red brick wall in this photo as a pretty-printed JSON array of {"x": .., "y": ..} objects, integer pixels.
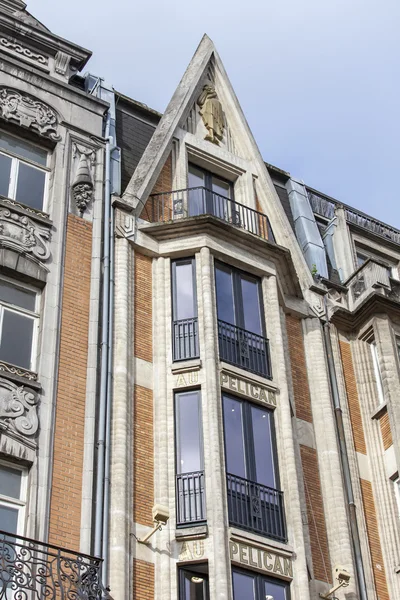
[
  {"x": 352, "y": 398},
  {"x": 66, "y": 493},
  {"x": 143, "y": 580},
  {"x": 299, "y": 368},
  {"x": 386, "y": 432},
  {"x": 160, "y": 208},
  {"x": 143, "y": 312},
  {"x": 143, "y": 491}
]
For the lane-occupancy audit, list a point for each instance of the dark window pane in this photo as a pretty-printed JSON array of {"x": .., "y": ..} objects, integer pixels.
[
  {"x": 17, "y": 296},
  {"x": 22, "y": 148},
  {"x": 225, "y": 301},
  {"x": 251, "y": 305},
  {"x": 264, "y": 463},
  {"x": 221, "y": 187},
  {"x": 234, "y": 438},
  {"x": 243, "y": 586},
  {"x": 8, "y": 519},
  {"x": 188, "y": 433},
  {"x": 196, "y": 198},
  {"x": 194, "y": 586},
  {"x": 10, "y": 482},
  {"x": 185, "y": 304},
  {"x": 30, "y": 186},
  {"x": 5, "y": 170},
  {"x": 275, "y": 590},
  {"x": 16, "y": 339}
]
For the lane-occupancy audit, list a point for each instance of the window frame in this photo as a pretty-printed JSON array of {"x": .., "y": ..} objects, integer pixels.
[
  {"x": 21, "y": 503},
  {"x": 396, "y": 483},
  {"x": 208, "y": 177},
  {"x": 34, "y": 315},
  {"x": 16, "y": 160},
  {"x": 194, "y": 570},
  {"x": 183, "y": 261},
  {"x": 260, "y": 579},
  {"x": 377, "y": 373},
  {"x": 178, "y": 393}
]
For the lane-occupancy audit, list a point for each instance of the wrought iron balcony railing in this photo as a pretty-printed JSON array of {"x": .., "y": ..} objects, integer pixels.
[
  {"x": 31, "y": 570},
  {"x": 192, "y": 202},
  {"x": 185, "y": 339},
  {"x": 244, "y": 349},
  {"x": 190, "y": 499},
  {"x": 256, "y": 507}
]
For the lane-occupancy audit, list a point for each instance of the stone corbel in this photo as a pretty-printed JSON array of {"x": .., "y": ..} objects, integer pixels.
[
  {"x": 82, "y": 186},
  {"x": 18, "y": 408},
  {"x": 20, "y": 233},
  {"x": 61, "y": 63},
  {"x": 28, "y": 111}
]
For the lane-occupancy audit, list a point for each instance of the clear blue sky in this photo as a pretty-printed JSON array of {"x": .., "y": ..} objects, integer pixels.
[{"x": 318, "y": 80}]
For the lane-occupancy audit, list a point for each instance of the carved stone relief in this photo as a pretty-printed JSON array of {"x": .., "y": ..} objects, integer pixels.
[
  {"x": 21, "y": 233},
  {"x": 29, "y": 112},
  {"x": 62, "y": 61},
  {"x": 18, "y": 408},
  {"x": 17, "y": 48},
  {"x": 82, "y": 186},
  {"x": 211, "y": 113}
]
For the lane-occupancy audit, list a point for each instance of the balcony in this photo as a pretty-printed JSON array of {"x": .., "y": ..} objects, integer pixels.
[
  {"x": 190, "y": 498},
  {"x": 256, "y": 508},
  {"x": 372, "y": 277},
  {"x": 244, "y": 349},
  {"x": 192, "y": 202},
  {"x": 185, "y": 339},
  {"x": 30, "y": 570}
]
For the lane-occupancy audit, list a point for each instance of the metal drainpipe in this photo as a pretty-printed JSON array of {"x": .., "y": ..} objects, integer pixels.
[
  {"x": 101, "y": 441},
  {"x": 345, "y": 460}
]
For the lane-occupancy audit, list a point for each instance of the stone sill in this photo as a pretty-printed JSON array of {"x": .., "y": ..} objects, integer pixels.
[
  {"x": 191, "y": 533},
  {"x": 185, "y": 366},
  {"x": 247, "y": 537}
]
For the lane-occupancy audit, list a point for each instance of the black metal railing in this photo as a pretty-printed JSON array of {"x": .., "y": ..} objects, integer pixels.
[
  {"x": 191, "y": 202},
  {"x": 244, "y": 349},
  {"x": 185, "y": 339},
  {"x": 190, "y": 499},
  {"x": 31, "y": 570},
  {"x": 256, "y": 507}
]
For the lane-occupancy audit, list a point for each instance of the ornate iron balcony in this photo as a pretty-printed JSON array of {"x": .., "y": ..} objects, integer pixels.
[
  {"x": 244, "y": 349},
  {"x": 256, "y": 507},
  {"x": 192, "y": 202},
  {"x": 31, "y": 570},
  {"x": 190, "y": 500},
  {"x": 185, "y": 339}
]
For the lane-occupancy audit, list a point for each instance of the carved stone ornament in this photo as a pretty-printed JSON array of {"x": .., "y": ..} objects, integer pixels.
[
  {"x": 82, "y": 186},
  {"x": 29, "y": 112},
  {"x": 18, "y": 408},
  {"x": 17, "y": 48},
  {"x": 62, "y": 61},
  {"x": 211, "y": 113},
  {"x": 22, "y": 234}
]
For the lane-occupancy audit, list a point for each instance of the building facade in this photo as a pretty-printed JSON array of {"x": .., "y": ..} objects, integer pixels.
[{"x": 199, "y": 358}]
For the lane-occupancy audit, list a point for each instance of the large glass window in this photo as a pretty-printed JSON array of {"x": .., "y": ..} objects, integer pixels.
[
  {"x": 377, "y": 371},
  {"x": 208, "y": 193},
  {"x": 189, "y": 458},
  {"x": 22, "y": 171},
  {"x": 12, "y": 498},
  {"x": 184, "y": 307},
  {"x": 193, "y": 583},
  {"x": 251, "y": 586},
  {"x": 18, "y": 324}
]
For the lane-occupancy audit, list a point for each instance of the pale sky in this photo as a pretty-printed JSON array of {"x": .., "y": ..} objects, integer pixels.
[{"x": 318, "y": 80}]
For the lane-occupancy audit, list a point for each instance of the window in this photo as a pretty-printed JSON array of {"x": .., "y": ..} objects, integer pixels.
[
  {"x": 241, "y": 329},
  {"x": 12, "y": 498},
  {"x": 184, "y": 304},
  {"x": 254, "y": 502},
  {"x": 189, "y": 458},
  {"x": 211, "y": 194},
  {"x": 251, "y": 586},
  {"x": 193, "y": 583},
  {"x": 377, "y": 371},
  {"x": 361, "y": 259},
  {"x": 22, "y": 171},
  {"x": 396, "y": 484},
  {"x": 18, "y": 324}
]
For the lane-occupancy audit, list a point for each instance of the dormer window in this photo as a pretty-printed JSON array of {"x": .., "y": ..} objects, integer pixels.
[{"x": 23, "y": 171}]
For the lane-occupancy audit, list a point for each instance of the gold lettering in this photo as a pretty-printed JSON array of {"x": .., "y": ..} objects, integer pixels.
[
  {"x": 242, "y": 552},
  {"x": 193, "y": 377},
  {"x": 198, "y": 549},
  {"x": 266, "y": 556},
  {"x": 278, "y": 566},
  {"x": 272, "y": 398},
  {"x": 259, "y": 556},
  {"x": 288, "y": 567},
  {"x": 233, "y": 383},
  {"x": 180, "y": 382},
  {"x": 242, "y": 387},
  {"x": 251, "y": 561},
  {"x": 233, "y": 549},
  {"x": 224, "y": 378},
  {"x": 254, "y": 391},
  {"x": 185, "y": 552},
  {"x": 263, "y": 395}
]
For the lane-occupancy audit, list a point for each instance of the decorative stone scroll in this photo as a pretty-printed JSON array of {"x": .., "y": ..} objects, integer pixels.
[
  {"x": 22, "y": 234},
  {"x": 18, "y": 408},
  {"x": 29, "y": 112},
  {"x": 82, "y": 186},
  {"x": 18, "y": 48}
]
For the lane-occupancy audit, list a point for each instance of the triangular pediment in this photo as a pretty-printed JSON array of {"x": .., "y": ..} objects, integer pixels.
[{"x": 205, "y": 124}]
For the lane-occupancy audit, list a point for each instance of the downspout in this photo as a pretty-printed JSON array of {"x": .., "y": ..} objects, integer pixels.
[{"x": 345, "y": 460}]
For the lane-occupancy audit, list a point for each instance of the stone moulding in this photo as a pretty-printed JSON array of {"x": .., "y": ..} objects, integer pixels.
[
  {"x": 18, "y": 408},
  {"x": 6, "y": 368},
  {"x": 27, "y": 111},
  {"x": 22, "y": 234},
  {"x": 13, "y": 46}
]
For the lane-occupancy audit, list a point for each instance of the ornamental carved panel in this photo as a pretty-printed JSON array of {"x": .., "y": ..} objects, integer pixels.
[
  {"x": 18, "y": 408},
  {"x": 22, "y": 234},
  {"x": 29, "y": 112}
]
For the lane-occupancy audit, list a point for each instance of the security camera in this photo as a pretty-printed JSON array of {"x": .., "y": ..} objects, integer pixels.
[
  {"x": 343, "y": 576},
  {"x": 160, "y": 514}
]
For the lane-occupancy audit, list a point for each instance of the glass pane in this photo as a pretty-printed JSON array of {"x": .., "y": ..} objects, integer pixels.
[
  {"x": 251, "y": 305},
  {"x": 234, "y": 438},
  {"x": 17, "y": 296},
  {"x": 194, "y": 586},
  {"x": 196, "y": 198},
  {"x": 188, "y": 433},
  {"x": 223, "y": 188},
  {"x": 185, "y": 305},
  {"x": 22, "y": 148},
  {"x": 30, "y": 186},
  {"x": 8, "y": 519},
  {"x": 225, "y": 301},
  {"x": 274, "y": 591},
  {"x": 16, "y": 339},
  {"x": 10, "y": 482},
  {"x": 243, "y": 586},
  {"x": 5, "y": 171},
  {"x": 264, "y": 462}
]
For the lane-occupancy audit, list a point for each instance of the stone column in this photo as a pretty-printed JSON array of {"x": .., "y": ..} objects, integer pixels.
[{"x": 285, "y": 439}]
